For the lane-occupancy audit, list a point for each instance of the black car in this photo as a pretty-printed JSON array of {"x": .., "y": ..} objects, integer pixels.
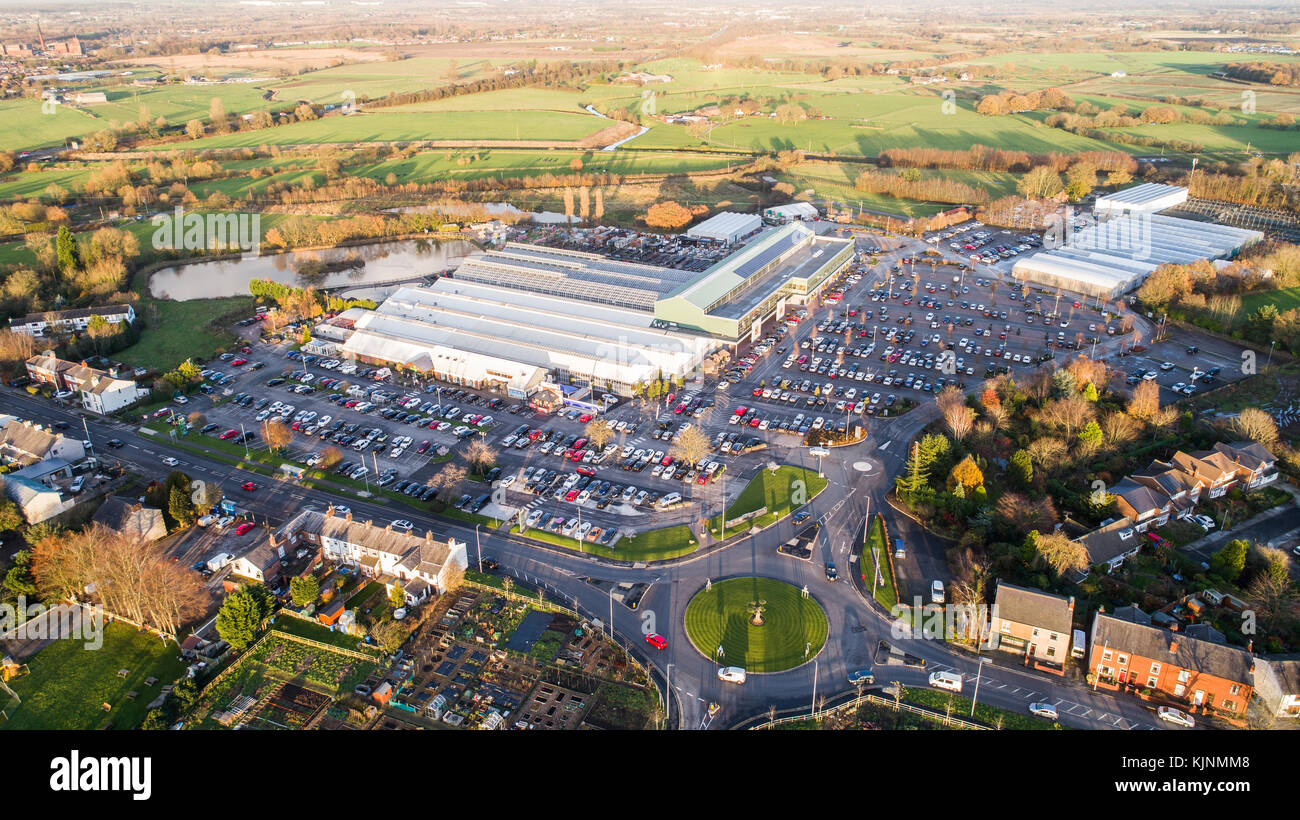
[
  {"x": 21, "y": 381},
  {"x": 208, "y": 428},
  {"x": 114, "y": 443}
]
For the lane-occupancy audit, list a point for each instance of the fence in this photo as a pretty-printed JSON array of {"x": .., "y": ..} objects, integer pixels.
[{"x": 874, "y": 700}]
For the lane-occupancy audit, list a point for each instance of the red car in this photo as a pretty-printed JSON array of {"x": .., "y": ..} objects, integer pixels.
[
  {"x": 238, "y": 362},
  {"x": 229, "y": 434},
  {"x": 742, "y": 409},
  {"x": 570, "y": 495},
  {"x": 585, "y": 470},
  {"x": 584, "y": 418},
  {"x": 248, "y": 485},
  {"x": 161, "y": 412},
  {"x": 243, "y": 528},
  {"x": 757, "y": 391},
  {"x": 422, "y": 448},
  {"x": 245, "y": 349},
  {"x": 656, "y": 640},
  {"x": 755, "y": 421}
]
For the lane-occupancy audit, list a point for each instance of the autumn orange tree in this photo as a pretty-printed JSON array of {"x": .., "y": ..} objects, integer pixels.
[{"x": 668, "y": 215}]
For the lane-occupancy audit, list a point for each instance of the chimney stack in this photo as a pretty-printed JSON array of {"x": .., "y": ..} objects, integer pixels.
[
  {"x": 1173, "y": 645},
  {"x": 329, "y": 513},
  {"x": 349, "y": 516},
  {"x": 1071, "y": 603}
]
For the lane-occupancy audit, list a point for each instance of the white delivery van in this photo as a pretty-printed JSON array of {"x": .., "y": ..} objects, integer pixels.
[
  {"x": 1080, "y": 647},
  {"x": 946, "y": 680}
]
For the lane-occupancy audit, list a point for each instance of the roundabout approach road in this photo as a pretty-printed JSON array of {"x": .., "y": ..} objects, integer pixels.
[{"x": 856, "y": 625}]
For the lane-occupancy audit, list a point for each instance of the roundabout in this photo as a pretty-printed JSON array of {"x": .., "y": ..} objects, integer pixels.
[{"x": 760, "y": 624}]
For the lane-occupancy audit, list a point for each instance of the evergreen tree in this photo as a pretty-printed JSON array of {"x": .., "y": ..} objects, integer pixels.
[{"x": 67, "y": 251}]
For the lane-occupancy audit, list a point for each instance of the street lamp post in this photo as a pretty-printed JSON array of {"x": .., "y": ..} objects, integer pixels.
[
  {"x": 668, "y": 697},
  {"x": 1266, "y": 364},
  {"x": 814, "y": 694},
  {"x": 478, "y": 549},
  {"x": 978, "y": 674}
]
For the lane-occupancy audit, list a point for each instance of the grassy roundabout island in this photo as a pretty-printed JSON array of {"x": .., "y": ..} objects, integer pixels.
[{"x": 720, "y": 616}]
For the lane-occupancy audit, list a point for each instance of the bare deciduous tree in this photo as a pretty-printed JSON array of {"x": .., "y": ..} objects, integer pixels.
[
  {"x": 1256, "y": 425},
  {"x": 691, "y": 446},
  {"x": 1060, "y": 552}
]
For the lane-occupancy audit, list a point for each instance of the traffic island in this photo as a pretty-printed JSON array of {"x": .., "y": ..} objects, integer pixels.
[{"x": 758, "y": 624}]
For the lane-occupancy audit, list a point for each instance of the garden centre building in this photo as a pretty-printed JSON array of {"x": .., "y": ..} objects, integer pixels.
[
  {"x": 522, "y": 316},
  {"x": 1115, "y": 254}
]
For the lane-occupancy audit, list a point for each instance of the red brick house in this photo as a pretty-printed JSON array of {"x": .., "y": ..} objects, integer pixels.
[{"x": 1194, "y": 668}]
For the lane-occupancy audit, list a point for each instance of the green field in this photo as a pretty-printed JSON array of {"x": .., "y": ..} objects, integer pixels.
[
  {"x": 25, "y": 125},
  {"x": 394, "y": 125},
  {"x": 794, "y": 629},
  {"x": 68, "y": 684},
  {"x": 176, "y": 331},
  {"x": 373, "y": 80}
]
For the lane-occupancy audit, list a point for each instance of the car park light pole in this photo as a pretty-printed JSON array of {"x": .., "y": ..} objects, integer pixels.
[{"x": 478, "y": 548}]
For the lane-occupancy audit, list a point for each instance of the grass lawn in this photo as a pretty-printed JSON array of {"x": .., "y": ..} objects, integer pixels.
[
  {"x": 68, "y": 682},
  {"x": 652, "y": 545},
  {"x": 781, "y": 491},
  {"x": 176, "y": 331},
  {"x": 876, "y": 541},
  {"x": 720, "y": 616},
  {"x": 290, "y": 625},
  {"x": 990, "y": 715}
]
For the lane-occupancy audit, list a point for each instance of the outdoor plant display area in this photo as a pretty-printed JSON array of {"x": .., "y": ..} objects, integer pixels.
[{"x": 722, "y": 617}]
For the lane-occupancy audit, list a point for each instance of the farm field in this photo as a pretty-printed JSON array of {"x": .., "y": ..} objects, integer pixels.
[
  {"x": 394, "y": 126},
  {"x": 430, "y": 166},
  {"x": 68, "y": 684},
  {"x": 377, "y": 79}
]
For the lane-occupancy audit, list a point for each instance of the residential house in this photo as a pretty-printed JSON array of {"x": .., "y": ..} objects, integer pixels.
[
  {"x": 46, "y": 368},
  {"x": 424, "y": 564},
  {"x": 1033, "y": 624},
  {"x": 24, "y": 443},
  {"x": 1195, "y": 668},
  {"x": 1181, "y": 488},
  {"x": 262, "y": 562},
  {"x": 1141, "y": 504},
  {"x": 1277, "y": 682},
  {"x": 131, "y": 518},
  {"x": 98, "y": 391},
  {"x": 37, "y": 501},
  {"x": 1214, "y": 469},
  {"x": 1255, "y": 465},
  {"x": 1115, "y": 541},
  {"x": 71, "y": 321}
]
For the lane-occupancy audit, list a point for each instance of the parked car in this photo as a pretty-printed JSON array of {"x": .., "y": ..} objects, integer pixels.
[
  {"x": 1176, "y": 716},
  {"x": 1043, "y": 710}
]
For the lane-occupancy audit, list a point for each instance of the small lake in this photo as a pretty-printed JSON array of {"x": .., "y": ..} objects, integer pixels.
[{"x": 360, "y": 265}]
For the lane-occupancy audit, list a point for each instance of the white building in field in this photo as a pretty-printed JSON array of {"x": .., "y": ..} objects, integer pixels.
[{"x": 70, "y": 321}]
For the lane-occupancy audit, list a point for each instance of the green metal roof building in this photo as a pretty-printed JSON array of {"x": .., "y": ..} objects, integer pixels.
[{"x": 734, "y": 296}]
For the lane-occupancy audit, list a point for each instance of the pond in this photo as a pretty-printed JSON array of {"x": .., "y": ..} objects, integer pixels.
[{"x": 372, "y": 264}]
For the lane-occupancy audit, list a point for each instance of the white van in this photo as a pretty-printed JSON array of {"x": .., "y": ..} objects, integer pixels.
[
  {"x": 731, "y": 674},
  {"x": 946, "y": 680},
  {"x": 1080, "y": 644}
]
